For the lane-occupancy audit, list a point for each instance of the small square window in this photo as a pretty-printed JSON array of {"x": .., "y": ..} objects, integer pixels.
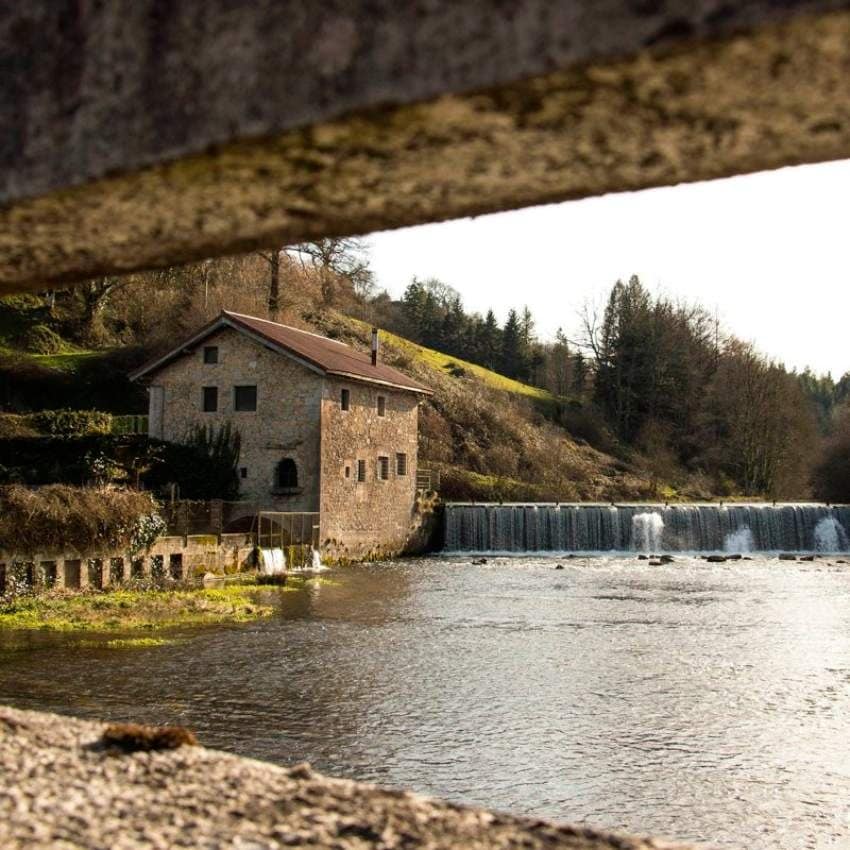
[
  {"x": 210, "y": 399},
  {"x": 361, "y": 470},
  {"x": 210, "y": 354},
  {"x": 243, "y": 471},
  {"x": 348, "y": 472},
  {"x": 401, "y": 464},
  {"x": 383, "y": 468},
  {"x": 345, "y": 399},
  {"x": 245, "y": 398},
  {"x": 382, "y": 406}
]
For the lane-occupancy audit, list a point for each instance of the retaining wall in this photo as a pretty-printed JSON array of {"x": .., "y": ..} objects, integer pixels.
[{"x": 177, "y": 558}]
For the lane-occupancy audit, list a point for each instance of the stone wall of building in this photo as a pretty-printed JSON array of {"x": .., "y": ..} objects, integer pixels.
[
  {"x": 374, "y": 516},
  {"x": 284, "y": 425}
]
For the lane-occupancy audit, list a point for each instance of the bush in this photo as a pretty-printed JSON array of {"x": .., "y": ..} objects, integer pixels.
[
  {"x": 40, "y": 339},
  {"x": 588, "y": 424},
  {"x": 71, "y": 422},
  {"x": 205, "y": 467},
  {"x": 200, "y": 471},
  {"x": 86, "y": 519},
  {"x": 13, "y": 425}
]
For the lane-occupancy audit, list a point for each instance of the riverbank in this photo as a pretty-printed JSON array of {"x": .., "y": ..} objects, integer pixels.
[
  {"x": 84, "y": 784},
  {"x": 136, "y": 609}
]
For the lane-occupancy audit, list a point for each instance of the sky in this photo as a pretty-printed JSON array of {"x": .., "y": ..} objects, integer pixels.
[{"x": 770, "y": 252}]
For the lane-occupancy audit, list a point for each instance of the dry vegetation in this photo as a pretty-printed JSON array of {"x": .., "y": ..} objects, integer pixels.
[
  {"x": 85, "y": 519},
  {"x": 669, "y": 426},
  {"x": 492, "y": 440}
]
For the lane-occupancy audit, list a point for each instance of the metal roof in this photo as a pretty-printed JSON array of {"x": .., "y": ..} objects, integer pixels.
[{"x": 324, "y": 355}]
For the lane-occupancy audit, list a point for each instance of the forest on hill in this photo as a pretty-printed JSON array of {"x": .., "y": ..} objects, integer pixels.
[{"x": 649, "y": 398}]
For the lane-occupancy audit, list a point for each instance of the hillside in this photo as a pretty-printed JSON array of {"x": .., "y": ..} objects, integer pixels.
[
  {"x": 496, "y": 439},
  {"x": 491, "y": 437}
]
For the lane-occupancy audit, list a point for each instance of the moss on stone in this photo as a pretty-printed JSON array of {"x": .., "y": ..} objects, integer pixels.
[{"x": 130, "y": 609}]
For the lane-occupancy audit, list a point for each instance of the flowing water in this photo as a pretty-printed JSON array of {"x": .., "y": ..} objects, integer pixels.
[
  {"x": 700, "y": 701},
  {"x": 590, "y": 528}
]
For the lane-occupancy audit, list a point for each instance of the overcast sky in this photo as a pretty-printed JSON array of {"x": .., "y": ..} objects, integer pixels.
[{"x": 769, "y": 251}]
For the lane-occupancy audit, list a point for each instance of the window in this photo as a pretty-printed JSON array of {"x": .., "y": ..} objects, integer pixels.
[
  {"x": 383, "y": 468},
  {"x": 401, "y": 464},
  {"x": 382, "y": 405},
  {"x": 244, "y": 398},
  {"x": 361, "y": 470},
  {"x": 286, "y": 474},
  {"x": 345, "y": 399},
  {"x": 210, "y": 399},
  {"x": 210, "y": 354},
  {"x": 348, "y": 472},
  {"x": 243, "y": 471}
]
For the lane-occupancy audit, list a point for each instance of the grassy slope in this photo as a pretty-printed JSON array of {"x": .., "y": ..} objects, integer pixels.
[
  {"x": 486, "y": 417},
  {"x": 445, "y": 363}
]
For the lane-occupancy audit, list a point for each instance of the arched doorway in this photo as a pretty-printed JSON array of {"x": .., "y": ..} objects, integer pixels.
[{"x": 286, "y": 474}]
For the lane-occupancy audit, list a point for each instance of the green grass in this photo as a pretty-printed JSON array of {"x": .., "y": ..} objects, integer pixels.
[
  {"x": 445, "y": 363},
  {"x": 67, "y": 361},
  {"x": 128, "y": 643},
  {"x": 130, "y": 609}
]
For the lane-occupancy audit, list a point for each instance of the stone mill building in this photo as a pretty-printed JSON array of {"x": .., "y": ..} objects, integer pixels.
[{"x": 324, "y": 428}]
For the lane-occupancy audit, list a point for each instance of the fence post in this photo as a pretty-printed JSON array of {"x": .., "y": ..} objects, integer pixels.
[
  {"x": 183, "y": 521},
  {"x": 217, "y": 517}
]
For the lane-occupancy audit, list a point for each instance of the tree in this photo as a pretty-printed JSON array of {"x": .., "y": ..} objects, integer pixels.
[
  {"x": 273, "y": 259},
  {"x": 338, "y": 259},
  {"x": 831, "y": 474},
  {"x": 490, "y": 343},
  {"x": 513, "y": 356},
  {"x": 765, "y": 427},
  {"x": 94, "y": 296}
]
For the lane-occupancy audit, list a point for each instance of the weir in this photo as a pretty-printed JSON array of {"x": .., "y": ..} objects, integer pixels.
[{"x": 755, "y": 527}]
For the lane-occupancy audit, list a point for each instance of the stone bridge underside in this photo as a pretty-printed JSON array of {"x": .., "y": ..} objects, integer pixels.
[{"x": 145, "y": 133}]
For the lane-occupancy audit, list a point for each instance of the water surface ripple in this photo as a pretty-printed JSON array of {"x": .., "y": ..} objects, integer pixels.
[{"x": 705, "y": 702}]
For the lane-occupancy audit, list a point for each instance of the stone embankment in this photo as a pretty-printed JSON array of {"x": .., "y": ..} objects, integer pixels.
[{"x": 67, "y": 783}]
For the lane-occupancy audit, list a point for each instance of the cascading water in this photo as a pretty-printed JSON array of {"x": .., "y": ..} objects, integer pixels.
[
  {"x": 316, "y": 564},
  {"x": 647, "y": 531},
  {"x": 739, "y": 541},
  {"x": 658, "y": 528},
  {"x": 273, "y": 562},
  {"x": 830, "y": 536}
]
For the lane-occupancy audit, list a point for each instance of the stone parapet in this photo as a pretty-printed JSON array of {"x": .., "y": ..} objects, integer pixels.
[
  {"x": 64, "y": 784},
  {"x": 178, "y": 558}
]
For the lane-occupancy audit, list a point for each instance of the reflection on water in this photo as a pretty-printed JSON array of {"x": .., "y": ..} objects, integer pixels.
[{"x": 703, "y": 702}]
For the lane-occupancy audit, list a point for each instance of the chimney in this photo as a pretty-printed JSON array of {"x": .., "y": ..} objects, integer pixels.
[{"x": 374, "y": 346}]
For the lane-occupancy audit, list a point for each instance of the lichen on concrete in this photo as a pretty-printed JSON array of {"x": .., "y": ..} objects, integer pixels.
[
  {"x": 65, "y": 786},
  {"x": 756, "y": 100}
]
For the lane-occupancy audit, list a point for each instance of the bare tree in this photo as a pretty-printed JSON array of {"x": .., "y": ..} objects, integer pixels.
[
  {"x": 341, "y": 257},
  {"x": 273, "y": 259}
]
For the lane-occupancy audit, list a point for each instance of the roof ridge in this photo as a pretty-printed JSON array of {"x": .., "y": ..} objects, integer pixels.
[{"x": 288, "y": 327}]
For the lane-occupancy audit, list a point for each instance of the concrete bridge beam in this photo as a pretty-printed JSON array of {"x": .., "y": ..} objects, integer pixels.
[{"x": 149, "y": 133}]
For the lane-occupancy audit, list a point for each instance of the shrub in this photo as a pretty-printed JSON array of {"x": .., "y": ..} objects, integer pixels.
[
  {"x": 40, "y": 339},
  {"x": 57, "y": 517},
  {"x": 204, "y": 467},
  {"x": 71, "y": 422},
  {"x": 13, "y": 425}
]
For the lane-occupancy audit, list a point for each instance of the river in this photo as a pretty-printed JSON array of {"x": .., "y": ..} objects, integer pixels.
[{"x": 704, "y": 702}]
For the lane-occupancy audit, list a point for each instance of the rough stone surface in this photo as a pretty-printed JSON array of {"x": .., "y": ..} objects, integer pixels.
[
  {"x": 284, "y": 425},
  {"x": 152, "y": 134},
  {"x": 61, "y": 788},
  {"x": 91, "y": 89},
  {"x": 299, "y": 416},
  {"x": 374, "y": 516}
]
